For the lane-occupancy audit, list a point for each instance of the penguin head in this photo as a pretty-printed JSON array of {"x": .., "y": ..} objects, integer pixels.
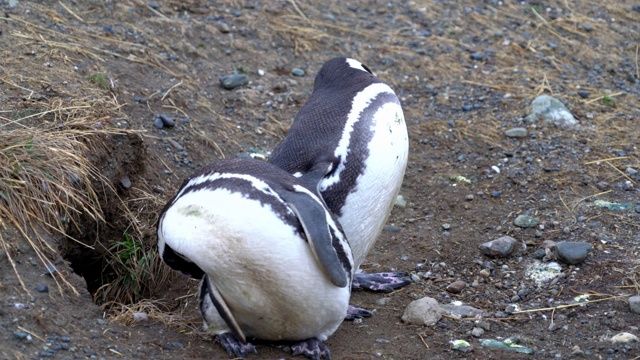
[{"x": 341, "y": 71}]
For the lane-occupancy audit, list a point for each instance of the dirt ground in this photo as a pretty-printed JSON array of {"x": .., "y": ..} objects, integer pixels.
[{"x": 465, "y": 73}]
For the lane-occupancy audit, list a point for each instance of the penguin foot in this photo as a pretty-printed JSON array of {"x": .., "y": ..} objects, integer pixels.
[
  {"x": 383, "y": 282},
  {"x": 311, "y": 348},
  {"x": 355, "y": 312},
  {"x": 235, "y": 347}
]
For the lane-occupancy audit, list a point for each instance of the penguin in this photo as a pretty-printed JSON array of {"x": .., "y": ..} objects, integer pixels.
[
  {"x": 273, "y": 262},
  {"x": 350, "y": 142}
]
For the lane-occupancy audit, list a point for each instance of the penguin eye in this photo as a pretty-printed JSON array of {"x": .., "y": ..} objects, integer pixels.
[{"x": 366, "y": 68}]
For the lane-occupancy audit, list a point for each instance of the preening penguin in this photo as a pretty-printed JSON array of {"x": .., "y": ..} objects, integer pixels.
[
  {"x": 274, "y": 263},
  {"x": 350, "y": 142}
]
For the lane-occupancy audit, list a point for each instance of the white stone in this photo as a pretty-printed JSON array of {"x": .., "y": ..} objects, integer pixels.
[{"x": 425, "y": 311}]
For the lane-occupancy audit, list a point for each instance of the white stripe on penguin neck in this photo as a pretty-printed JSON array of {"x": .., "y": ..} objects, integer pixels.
[
  {"x": 356, "y": 64},
  {"x": 255, "y": 182},
  {"x": 360, "y": 102}
]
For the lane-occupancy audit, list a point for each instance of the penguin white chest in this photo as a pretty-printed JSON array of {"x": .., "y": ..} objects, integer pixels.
[
  {"x": 258, "y": 259},
  {"x": 374, "y": 148}
]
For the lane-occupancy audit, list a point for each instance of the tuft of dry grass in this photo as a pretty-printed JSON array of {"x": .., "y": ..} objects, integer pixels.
[
  {"x": 45, "y": 176},
  {"x": 183, "y": 318}
]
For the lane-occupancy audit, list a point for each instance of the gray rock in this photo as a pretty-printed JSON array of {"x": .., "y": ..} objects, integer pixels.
[
  {"x": 425, "y": 311},
  {"x": 456, "y": 287},
  {"x": 125, "y": 182},
  {"x": 526, "y": 221},
  {"x": 551, "y": 110},
  {"x": 572, "y": 253},
  {"x": 477, "y": 332},
  {"x": 461, "y": 311},
  {"x": 297, "y": 72},
  {"x": 157, "y": 122},
  {"x": 42, "y": 288},
  {"x": 634, "y": 304},
  {"x": 624, "y": 337},
  {"x": 167, "y": 120},
  {"x": 516, "y": 132},
  {"x": 500, "y": 247},
  {"x": 234, "y": 80}
]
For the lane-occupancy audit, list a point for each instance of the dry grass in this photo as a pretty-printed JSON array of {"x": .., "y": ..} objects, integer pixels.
[
  {"x": 182, "y": 318},
  {"x": 52, "y": 121},
  {"x": 45, "y": 176}
]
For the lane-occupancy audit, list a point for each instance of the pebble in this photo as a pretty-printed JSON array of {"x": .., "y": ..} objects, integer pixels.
[
  {"x": 456, "y": 287},
  {"x": 551, "y": 110},
  {"x": 539, "y": 254},
  {"x": 462, "y": 311},
  {"x": 167, "y": 120},
  {"x": 468, "y": 197},
  {"x": 297, "y": 72},
  {"x": 125, "y": 182},
  {"x": 477, "y": 56},
  {"x": 391, "y": 228},
  {"x": 624, "y": 337},
  {"x": 572, "y": 253},
  {"x": 425, "y": 311},
  {"x": 576, "y": 351},
  {"x": 516, "y": 132},
  {"x": 467, "y": 107},
  {"x": 485, "y": 273},
  {"x": 446, "y": 226},
  {"x": 234, "y": 80},
  {"x": 176, "y": 145},
  {"x": 500, "y": 247},
  {"x": 20, "y": 335},
  {"x": 42, "y": 288},
  {"x": 400, "y": 201},
  {"x": 553, "y": 326},
  {"x": 526, "y": 221},
  {"x": 583, "y": 94},
  {"x": 223, "y": 28},
  {"x": 587, "y": 27},
  {"x": 157, "y": 122},
  {"x": 496, "y": 193},
  {"x": 634, "y": 304},
  {"x": 477, "y": 332}
]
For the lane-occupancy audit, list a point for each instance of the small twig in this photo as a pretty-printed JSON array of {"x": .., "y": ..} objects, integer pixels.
[
  {"x": 602, "y": 97},
  {"x": 70, "y": 12},
  {"x": 567, "y": 305},
  {"x": 424, "y": 342},
  {"x": 539, "y": 16},
  {"x": 171, "y": 88},
  {"x": 620, "y": 171},
  {"x": 168, "y": 168},
  {"x": 607, "y": 159},
  {"x": 302, "y": 15},
  {"x": 31, "y": 333},
  {"x": 637, "y": 69}
]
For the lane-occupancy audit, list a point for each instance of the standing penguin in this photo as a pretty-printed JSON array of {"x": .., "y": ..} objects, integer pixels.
[
  {"x": 274, "y": 263},
  {"x": 350, "y": 142}
]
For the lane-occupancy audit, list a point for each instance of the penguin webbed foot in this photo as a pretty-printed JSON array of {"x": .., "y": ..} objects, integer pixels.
[
  {"x": 355, "y": 312},
  {"x": 235, "y": 347},
  {"x": 381, "y": 282},
  {"x": 311, "y": 348}
]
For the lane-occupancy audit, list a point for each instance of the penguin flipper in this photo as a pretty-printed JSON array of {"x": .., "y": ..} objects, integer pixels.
[
  {"x": 221, "y": 306},
  {"x": 315, "y": 221}
]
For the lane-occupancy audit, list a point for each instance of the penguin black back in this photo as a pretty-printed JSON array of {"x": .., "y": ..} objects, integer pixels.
[{"x": 343, "y": 94}]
